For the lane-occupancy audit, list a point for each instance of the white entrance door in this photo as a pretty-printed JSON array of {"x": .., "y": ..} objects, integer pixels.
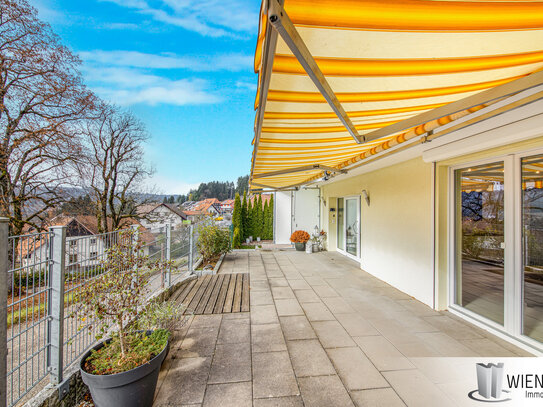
[{"x": 348, "y": 224}]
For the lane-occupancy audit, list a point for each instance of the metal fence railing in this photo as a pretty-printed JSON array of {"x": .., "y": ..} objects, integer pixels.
[{"x": 44, "y": 273}]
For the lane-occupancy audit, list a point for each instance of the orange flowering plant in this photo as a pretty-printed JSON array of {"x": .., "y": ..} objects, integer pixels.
[{"x": 299, "y": 236}]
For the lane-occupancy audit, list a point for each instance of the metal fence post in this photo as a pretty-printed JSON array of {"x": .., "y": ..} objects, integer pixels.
[
  {"x": 55, "y": 325},
  {"x": 191, "y": 252},
  {"x": 168, "y": 274},
  {"x": 4, "y": 267}
]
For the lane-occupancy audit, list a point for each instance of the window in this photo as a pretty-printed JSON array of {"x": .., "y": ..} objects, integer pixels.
[
  {"x": 73, "y": 243},
  {"x": 93, "y": 240},
  {"x": 93, "y": 255},
  {"x": 73, "y": 258}
]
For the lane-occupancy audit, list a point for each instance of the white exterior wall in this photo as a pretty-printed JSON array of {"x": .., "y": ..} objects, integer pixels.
[
  {"x": 283, "y": 217},
  {"x": 157, "y": 219},
  {"x": 296, "y": 210},
  {"x": 396, "y": 239}
]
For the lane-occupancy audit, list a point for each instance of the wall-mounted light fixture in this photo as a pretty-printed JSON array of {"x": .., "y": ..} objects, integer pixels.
[{"x": 366, "y": 196}]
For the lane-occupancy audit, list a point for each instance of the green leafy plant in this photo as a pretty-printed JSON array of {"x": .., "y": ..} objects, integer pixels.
[
  {"x": 236, "y": 239},
  {"x": 139, "y": 348},
  {"x": 165, "y": 315},
  {"x": 213, "y": 241},
  {"x": 116, "y": 296}
]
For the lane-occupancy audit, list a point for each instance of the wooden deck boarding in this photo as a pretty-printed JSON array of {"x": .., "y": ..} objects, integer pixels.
[{"x": 216, "y": 294}]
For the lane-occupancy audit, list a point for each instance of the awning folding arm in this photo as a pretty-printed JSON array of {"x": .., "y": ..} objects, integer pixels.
[
  {"x": 299, "y": 169},
  {"x": 283, "y": 25}
]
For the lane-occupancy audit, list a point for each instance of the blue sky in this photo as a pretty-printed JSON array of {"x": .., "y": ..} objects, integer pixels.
[{"x": 182, "y": 66}]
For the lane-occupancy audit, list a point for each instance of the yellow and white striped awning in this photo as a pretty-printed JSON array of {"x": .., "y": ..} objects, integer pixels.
[{"x": 385, "y": 61}]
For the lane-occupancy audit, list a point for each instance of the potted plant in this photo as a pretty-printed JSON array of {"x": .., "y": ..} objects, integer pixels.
[
  {"x": 299, "y": 238},
  {"x": 122, "y": 370}
]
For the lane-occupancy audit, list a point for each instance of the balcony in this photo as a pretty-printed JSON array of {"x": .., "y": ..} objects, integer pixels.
[{"x": 321, "y": 332}]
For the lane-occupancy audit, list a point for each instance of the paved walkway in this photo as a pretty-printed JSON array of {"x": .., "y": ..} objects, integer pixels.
[{"x": 320, "y": 332}]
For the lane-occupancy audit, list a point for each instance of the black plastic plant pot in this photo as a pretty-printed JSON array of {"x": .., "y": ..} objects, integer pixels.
[
  {"x": 299, "y": 246},
  {"x": 134, "y": 388}
]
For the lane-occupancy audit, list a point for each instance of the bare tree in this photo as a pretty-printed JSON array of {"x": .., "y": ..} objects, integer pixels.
[
  {"x": 113, "y": 166},
  {"x": 41, "y": 97}
]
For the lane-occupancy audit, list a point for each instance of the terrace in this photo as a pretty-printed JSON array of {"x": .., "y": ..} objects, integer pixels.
[{"x": 320, "y": 332}]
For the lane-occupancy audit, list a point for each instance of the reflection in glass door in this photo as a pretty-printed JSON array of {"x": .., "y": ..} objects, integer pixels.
[
  {"x": 352, "y": 230},
  {"x": 340, "y": 224},
  {"x": 532, "y": 246},
  {"x": 479, "y": 206},
  {"x": 348, "y": 226}
]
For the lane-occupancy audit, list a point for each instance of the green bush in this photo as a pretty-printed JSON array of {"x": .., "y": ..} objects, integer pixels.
[{"x": 213, "y": 241}]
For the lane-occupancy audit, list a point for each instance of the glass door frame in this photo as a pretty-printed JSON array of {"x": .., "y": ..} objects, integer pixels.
[
  {"x": 358, "y": 217},
  {"x": 513, "y": 259}
]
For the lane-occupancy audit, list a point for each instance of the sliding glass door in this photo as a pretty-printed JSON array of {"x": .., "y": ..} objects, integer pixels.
[
  {"x": 532, "y": 246},
  {"x": 348, "y": 226},
  {"x": 480, "y": 240},
  {"x": 497, "y": 244}
]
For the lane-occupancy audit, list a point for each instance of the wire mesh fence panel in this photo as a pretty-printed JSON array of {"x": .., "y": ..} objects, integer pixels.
[
  {"x": 85, "y": 257},
  {"x": 27, "y": 313},
  {"x": 31, "y": 317}
]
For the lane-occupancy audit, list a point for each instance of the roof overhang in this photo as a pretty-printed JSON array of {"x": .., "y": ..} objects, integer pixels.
[{"x": 341, "y": 81}]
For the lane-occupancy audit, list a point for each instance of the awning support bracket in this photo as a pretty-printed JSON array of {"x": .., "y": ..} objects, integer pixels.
[{"x": 283, "y": 25}]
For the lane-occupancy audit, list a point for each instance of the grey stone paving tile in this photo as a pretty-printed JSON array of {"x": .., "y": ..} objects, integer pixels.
[
  {"x": 259, "y": 285},
  {"x": 446, "y": 345},
  {"x": 267, "y": 338},
  {"x": 324, "y": 391},
  {"x": 288, "y": 307},
  {"x": 486, "y": 347},
  {"x": 234, "y": 331},
  {"x": 261, "y": 297},
  {"x": 355, "y": 369},
  {"x": 231, "y": 363},
  {"x": 382, "y": 353},
  {"x": 332, "y": 334},
  {"x": 314, "y": 281},
  {"x": 278, "y": 282},
  {"x": 355, "y": 325},
  {"x": 453, "y": 328},
  {"x": 309, "y": 358},
  {"x": 317, "y": 311},
  {"x": 292, "y": 401},
  {"x": 282, "y": 293},
  {"x": 193, "y": 373},
  {"x": 299, "y": 284},
  {"x": 263, "y": 314},
  {"x": 198, "y": 342},
  {"x": 416, "y": 390},
  {"x": 306, "y": 296},
  {"x": 325, "y": 291},
  {"x": 205, "y": 321},
  {"x": 337, "y": 305},
  {"x": 417, "y": 307},
  {"x": 297, "y": 327},
  {"x": 377, "y": 398},
  {"x": 273, "y": 375},
  {"x": 229, "y": 395}
]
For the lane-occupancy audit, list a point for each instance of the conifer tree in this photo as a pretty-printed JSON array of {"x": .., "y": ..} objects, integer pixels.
[
  {"x": 236, "y": 221},
  {"x": 250, "y": 217},
  {"x": 270, "y": 207},
  {"x": 259, "y": 217},
  {"x": 244, "y": 219},
  {"x": 265, "y": 233}
]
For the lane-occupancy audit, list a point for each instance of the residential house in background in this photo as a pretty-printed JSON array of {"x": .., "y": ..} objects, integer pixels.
[
  {"x": 155, "y": 217},
  {"x": 227, "y": 206},
  {"x": 82, "y": 252}
]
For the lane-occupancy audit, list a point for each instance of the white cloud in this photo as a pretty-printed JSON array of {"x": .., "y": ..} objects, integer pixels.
[
  {"x": 228, "y": 62},
  {"x": 127, "y": 87},
  {"x": 119, "y": 26},
  {"x": 246, "y": 85},
  {"x": 214, "y": 18},
  {"x": 168, "y": 185}
]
